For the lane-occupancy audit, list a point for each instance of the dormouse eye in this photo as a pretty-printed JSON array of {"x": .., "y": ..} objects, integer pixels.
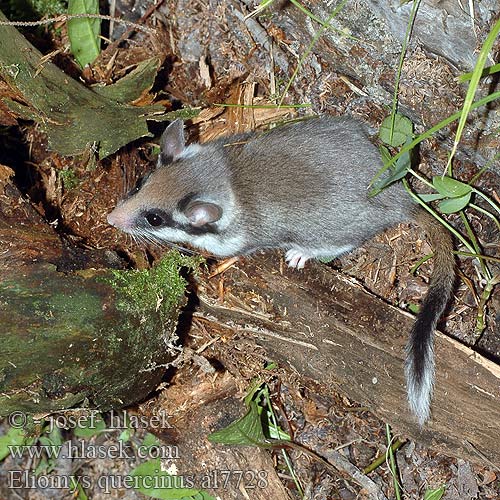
[{"x": 154, "y": 219}]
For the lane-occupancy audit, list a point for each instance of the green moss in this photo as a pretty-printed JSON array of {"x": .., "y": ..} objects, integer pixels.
[
  {"x": 105, "y": 338},
  {"x": 69, "y": 179},
  {"x": 158, "y": 288}
]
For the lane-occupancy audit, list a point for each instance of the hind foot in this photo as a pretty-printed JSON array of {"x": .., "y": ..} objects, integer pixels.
[{"x": 296, "y": 258}]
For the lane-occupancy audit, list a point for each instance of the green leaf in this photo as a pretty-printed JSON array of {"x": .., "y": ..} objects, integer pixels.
[
  {"x": 414, "y": 308},
  {"x": 14, "y": 437},
  {"x": 254, "y": 388},
  {"x": 89, "y": 427},
  {"x": 77, "y": 486},
  {"x": 434, "y": 494},
  {"x": 245, "y": 431},
  {"x": 150, "y": 440},
  {"x": 154, "y": 482},
  {"x": 452, "y": 205},
  {"x": 47, "y": 442},
  {"x": 84, "y": 33},
  {"x": 449, "y": 187},
  {"x": 44, "y": 466},
  {"x": 403, "y": 130},
  {"x": 52, "y": 443},
  {"x": 385, "y": 153},
  {"x": 54, "y": 435},
  {"x": 125, "y": 435},
  {"x": 396, "y": 172},
  {"x": 400, "y": 169},
  {"x": 458, "y": 194}
]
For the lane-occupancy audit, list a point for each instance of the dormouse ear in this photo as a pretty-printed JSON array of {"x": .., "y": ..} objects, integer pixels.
[
  {"x": 172, "y": 142},
  {"x": 200, "y": 213}
]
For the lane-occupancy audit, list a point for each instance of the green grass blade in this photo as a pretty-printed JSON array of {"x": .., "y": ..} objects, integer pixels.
[
  {"x": 382, "y": 458},
  {"x": 264, "y": 4},
  {"x": 488, "y": 214},
  {"x": 325, "y": 24},
  {"x": 413, "y": 13},
  {"x": 489, "y": 70},
  {"x": 475, "y": 244},
  {"x": 486, "y": 167},
  {"x": 471, "y": 91},
  {"x": 392, "y": 462},
  {"x": 487, "y": 258},
  {"x": 310, "y": 47},
  {"x": 488, "y": 200},
  {"x": 84, "y": 33}
]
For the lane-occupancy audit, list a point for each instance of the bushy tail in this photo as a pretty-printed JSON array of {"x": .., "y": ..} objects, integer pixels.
[{"x": 419, "y": 366}]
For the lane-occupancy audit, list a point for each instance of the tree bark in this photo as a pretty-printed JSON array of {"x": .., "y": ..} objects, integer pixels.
[
  {"x": 72, "y": 115},
  {"x": 329, "y": 329}
]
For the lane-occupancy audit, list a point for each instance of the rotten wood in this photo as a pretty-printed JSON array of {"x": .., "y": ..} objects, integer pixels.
[
  {"x": 72, "y": 115},
  {"x": 327, "y": 328},
  {"x": 73, "y": 338},
  {"x": 198, "y": 405},
  {"x": 24, "y": 236}
]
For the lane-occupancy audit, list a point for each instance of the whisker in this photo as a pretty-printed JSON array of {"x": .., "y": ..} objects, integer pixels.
[{"x": 148, "y": 238}]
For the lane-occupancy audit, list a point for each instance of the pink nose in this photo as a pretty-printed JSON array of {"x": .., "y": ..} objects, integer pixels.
[{"x": 119, "y": 219}]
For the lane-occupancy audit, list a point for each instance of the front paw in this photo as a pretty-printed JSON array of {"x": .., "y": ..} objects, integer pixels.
[{"x": 296, "y": 259}]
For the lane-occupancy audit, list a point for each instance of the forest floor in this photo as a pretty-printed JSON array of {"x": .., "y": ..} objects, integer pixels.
[{"x": 217, "y": 364}]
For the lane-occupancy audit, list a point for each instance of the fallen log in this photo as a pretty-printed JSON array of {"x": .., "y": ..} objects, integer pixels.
[
  {"x": 328, "y": 328},
  {"x": 97, "y": 339},
  {"x": 72, "y": 115}
]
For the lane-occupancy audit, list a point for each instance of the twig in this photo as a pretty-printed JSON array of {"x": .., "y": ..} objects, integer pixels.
[
  {"x": 68, "y": 17},
  {"x": 335, "y": 462},
  {"x": 134, "y": 26}
]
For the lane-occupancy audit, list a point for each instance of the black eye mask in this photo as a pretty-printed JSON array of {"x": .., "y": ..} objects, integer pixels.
[{"x": 156, "y": 219}]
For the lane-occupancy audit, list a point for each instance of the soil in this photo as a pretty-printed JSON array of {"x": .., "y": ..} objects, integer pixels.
[{"x": 208, "y": 60}]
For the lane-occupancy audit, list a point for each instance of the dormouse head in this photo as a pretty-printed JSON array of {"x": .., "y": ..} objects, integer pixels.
[{"x": 185, "y": 197}]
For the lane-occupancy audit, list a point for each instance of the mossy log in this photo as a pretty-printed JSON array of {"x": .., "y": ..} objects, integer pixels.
[
  {"x": 98, "y": 339},
  {"x": 74, "y": 116}
]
